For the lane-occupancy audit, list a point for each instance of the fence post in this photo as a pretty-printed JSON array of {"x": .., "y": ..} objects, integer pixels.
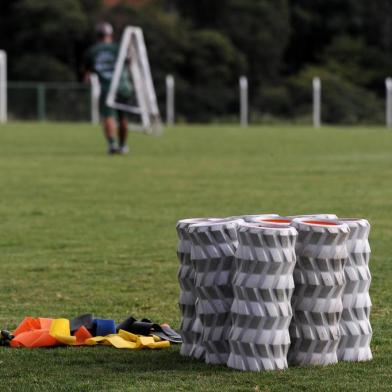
[
  {"x": 95, "y": 90},
  {"x": 388, "y": 87},
  {"x": 244, "y": 106},
  {"x": 316, "y": 102},
  {"x": 41, "y": 101},
  {"x": 3, "y": 87},
  {"x": 170, "y": 100}
]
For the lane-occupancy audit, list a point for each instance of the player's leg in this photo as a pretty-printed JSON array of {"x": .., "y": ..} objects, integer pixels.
[
  {"x": 109, "y": 124},
  {"x": 123, "y": 132}
]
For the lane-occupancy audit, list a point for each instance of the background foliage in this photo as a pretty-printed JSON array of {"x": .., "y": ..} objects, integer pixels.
[{"x": 280, "y": 45}]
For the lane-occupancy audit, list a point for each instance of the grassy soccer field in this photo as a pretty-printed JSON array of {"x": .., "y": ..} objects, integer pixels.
[{"x": 81, "y": 231}]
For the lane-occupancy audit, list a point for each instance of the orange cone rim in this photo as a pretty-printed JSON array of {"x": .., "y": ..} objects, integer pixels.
[
  {"x": 320, "y": 222},
  {"x": 276, "y": 220}
]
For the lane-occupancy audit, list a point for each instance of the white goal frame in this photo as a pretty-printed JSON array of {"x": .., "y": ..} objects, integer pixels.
[
  {"x": 133, "y": 55},
  {"x": 3, "y": 86}
]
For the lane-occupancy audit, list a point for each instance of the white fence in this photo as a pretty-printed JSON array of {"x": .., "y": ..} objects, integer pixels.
[
  {"x": 170, "y": 100},
  {"x": 316, "y": 102},
  {"x": 244, "y": 101},
  {"x": 35, "y": 99},
  {"x": 3, "y": 87},
  {"x": 388, "y": 87}
]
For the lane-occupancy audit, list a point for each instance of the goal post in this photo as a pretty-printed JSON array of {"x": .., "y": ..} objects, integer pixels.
[
  {"x": 3, "y": 86},
  {"x": 133, "y": 57}
]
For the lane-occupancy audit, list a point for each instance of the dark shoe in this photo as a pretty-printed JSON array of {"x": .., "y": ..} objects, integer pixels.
[
  {"x": 85, "y": 320},
  {"x": 113, "y": 150},
  {"x": 5, "y": 338},
  {"x": 146, "y": 327}
]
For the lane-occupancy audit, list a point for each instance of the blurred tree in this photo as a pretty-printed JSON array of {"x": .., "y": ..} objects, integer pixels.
[
  {"x": 342, "y": 101},
  {"x": 314, "y": 25},
  {"x": 202, "y": 13},
  {"x": 7, "y": 25},
  {"x": 42, "y": 67},
  {"x": 259, "y": 30},
  {"x": 352, "y": 59},
  {"x": 50, "y": 30},
  {"x": 211, "y": 77},
  {"x": 352, "y": 37}
]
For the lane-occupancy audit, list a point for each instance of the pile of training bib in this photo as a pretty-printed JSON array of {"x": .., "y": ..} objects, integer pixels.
[{"x": 86, "y": 330}]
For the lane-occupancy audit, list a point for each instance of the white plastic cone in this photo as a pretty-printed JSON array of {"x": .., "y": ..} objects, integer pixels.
[
  {"x": 355, "y": 328},
  {"x": 263, "y": 285},
  {"x": 319, "y": 282}
]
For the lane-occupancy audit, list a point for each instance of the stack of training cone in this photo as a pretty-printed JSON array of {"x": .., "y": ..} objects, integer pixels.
[
  {"x": 262, "y": 292},
  {"x": 263, "y": 285},
  {"x": 213, "y": 245},
  {"x": 355, "y": 329},
  {"x": 317, "y": 301},
  {"x": 191, "y": 338}
]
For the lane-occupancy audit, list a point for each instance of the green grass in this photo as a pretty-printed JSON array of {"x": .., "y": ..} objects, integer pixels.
[{"x": 84, "y": 232}]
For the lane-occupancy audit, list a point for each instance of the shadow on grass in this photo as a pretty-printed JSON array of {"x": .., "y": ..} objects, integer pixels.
[
  {"x": 140, "y": 361},
  {"x": 94, "y": 368},
  {"x": 93, "y": 359}
]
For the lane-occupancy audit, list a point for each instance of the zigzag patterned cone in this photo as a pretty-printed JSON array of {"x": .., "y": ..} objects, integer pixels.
[
  {"x": 317, "y": 300},
  {"x": 212, "y": 254},
  {"x": 187, "y": 300},
  {"x": 263, "y": 285},
  {"x": 356, "y": 332}
]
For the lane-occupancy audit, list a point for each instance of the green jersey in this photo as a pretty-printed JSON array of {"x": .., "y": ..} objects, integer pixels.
[{"x": 101, "y": 59}]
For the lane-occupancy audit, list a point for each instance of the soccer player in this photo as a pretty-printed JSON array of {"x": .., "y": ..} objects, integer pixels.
[{"x": 101, "y": 59}]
